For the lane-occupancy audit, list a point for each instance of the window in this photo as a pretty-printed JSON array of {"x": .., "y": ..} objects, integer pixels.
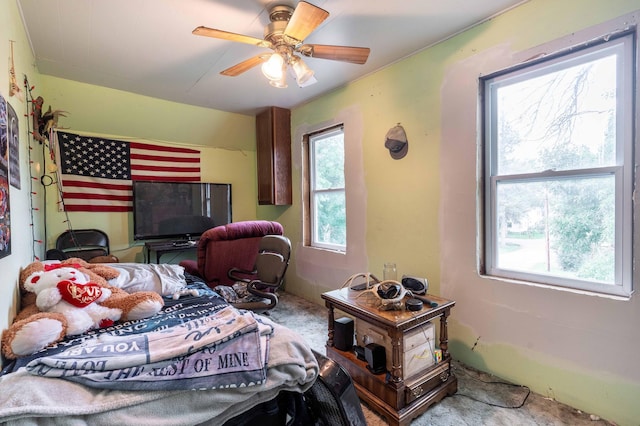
[
  {"x": 327, "y": 210},
  {"x": 558, "y": 169}
]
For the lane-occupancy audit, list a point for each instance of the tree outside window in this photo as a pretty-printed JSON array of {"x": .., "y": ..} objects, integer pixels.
[
  {"x": 327, "y": 201},
  {"x": 559, "y": 169}
]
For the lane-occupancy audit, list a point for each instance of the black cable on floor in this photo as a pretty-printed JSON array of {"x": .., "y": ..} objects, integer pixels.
[{"x": 496, "y": 383}]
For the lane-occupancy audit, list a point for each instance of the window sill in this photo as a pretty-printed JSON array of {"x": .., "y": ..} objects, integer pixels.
[{"x": 558, "y": 288}]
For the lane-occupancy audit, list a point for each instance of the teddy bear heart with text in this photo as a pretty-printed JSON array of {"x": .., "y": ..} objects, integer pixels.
[{"x": 69, "y": 298}]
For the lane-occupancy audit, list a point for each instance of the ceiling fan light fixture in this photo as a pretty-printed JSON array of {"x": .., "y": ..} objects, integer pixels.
[
  {"x": 285, "y": 35},
  {"x": 273, "y": 67},
  {"x": 309, "y": 82},
  {"x": 302, "y": 72},
  {"x": 281, "y": 83}
]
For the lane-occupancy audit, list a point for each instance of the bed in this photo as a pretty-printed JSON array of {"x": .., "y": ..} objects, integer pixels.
[{"x": 198, "y": 361}]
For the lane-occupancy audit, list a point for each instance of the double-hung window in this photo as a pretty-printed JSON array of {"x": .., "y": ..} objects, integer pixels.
[
  {"x": 559, "y": 169},
  {"x": 327, "y": 218}
]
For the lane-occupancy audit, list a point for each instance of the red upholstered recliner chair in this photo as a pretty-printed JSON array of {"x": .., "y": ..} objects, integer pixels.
[{"x": 234, "y": 245}]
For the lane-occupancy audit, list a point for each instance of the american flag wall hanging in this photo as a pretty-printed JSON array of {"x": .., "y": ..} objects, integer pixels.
[{"x": 96, "y": 174}]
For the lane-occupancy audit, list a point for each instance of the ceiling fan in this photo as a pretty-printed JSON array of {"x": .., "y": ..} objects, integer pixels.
[{"x": 285, "y": 35}]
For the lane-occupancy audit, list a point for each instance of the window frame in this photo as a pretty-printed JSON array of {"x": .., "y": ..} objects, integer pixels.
[
  {"x": 623, "y": 170},
  {"x": 310, "y": 218}
]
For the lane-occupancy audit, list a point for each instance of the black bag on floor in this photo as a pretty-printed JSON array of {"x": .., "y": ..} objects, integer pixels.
[{"x": 332, "y": 400}]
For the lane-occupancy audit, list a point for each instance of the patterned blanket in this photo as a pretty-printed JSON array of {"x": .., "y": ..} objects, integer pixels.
[{"x": 193, "y": 343}]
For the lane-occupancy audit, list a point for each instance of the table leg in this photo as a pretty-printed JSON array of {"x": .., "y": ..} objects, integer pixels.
[
  {"x": 330, "y": 317},
  {"x": 444, "y": 335},
  {"x": 396, "y": 356}
]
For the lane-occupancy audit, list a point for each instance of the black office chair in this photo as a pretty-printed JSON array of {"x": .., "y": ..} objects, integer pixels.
[
  {"x": 87, "y": 244},
  {"x": 272, "y": 261}
]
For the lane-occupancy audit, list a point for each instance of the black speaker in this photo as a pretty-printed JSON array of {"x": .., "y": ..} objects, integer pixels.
[
  {"x": 343, "y": 334},
  {"x": 376, "y": 358}
]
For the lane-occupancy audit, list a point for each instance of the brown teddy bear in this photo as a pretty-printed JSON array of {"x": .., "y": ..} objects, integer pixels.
[{"x": 33, "y": 330}]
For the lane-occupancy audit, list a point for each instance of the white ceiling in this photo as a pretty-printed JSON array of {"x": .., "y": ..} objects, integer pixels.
[{"x": 146, "y": 46}]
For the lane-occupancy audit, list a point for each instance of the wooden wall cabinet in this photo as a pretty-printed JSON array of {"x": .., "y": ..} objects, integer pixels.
[{"x": 273, "y": 138}]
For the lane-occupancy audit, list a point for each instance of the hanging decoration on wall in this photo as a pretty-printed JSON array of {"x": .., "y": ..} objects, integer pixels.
[
  {"x": 13, "y": 135},
  {"x": 43, "y": 123},
  {"x": 40, "y": 127},
  {"x": 14, "y": 87},
  {"x": 36, "y": 116},
  {"x": 37, "y": 198},
  {"x": 5, "y": 211},
  {"x": 396, "y": 142}
]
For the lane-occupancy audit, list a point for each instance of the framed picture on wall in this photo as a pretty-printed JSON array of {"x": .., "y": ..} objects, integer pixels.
[
  {"x": 5, "y": 211},
  {"x": 13, "y": 133}
]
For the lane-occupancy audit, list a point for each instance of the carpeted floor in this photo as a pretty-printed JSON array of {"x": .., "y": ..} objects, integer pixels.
[{"x": 481, "y": 399}]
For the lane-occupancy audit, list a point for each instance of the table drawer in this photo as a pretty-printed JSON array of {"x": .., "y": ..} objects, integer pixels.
[{"x": 419, "y": 386}]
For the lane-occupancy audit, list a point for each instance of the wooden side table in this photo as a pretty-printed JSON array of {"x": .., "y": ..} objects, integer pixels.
[{"x": 398, "y": 400}]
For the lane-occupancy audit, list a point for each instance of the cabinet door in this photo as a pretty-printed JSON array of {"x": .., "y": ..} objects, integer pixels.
[{"x": 273, "y": 137}]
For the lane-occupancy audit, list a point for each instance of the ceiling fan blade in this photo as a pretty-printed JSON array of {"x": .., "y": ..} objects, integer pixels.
[
  {"x": 355, "y": 55},
  {"x": 245, "y": 65},
  {"x": 225, "y": 35},
  {"x": 306, "y": 18}
]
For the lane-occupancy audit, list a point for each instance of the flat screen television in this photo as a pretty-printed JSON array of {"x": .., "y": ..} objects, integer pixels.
[{"x": 178, "y": 210}]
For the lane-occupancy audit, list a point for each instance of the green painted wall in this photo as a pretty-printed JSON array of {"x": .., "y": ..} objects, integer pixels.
[{"x": 422, "y": 212}]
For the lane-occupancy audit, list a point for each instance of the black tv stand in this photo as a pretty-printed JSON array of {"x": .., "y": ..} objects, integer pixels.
[{"x": 163, "y": 247}]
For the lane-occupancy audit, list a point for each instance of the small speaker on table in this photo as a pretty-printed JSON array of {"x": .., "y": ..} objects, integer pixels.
[
  {"x": 376, "y": 358},
  {"x": 343, "y": 334}
]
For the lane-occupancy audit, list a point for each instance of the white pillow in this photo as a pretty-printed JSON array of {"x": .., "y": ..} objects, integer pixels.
[{"x": 164, "y": 279}]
